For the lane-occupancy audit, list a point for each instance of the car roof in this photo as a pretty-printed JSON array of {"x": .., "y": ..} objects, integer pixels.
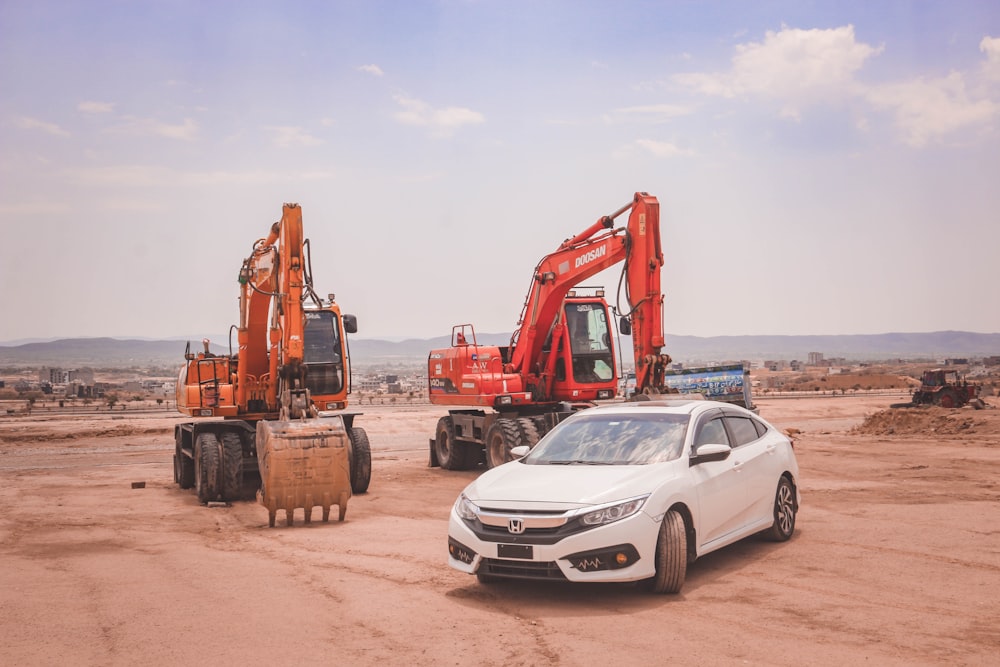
[{"x": 668, "y": 405}]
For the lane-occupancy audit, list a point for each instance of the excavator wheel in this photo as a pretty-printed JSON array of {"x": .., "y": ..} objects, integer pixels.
[
  {"x": 529, "y": 431},
  {"x": 503, "y": 436},
  {"x": 207, "y": 465},
  {"x": 451, "y": 454},
  {"x": 183, "y": 466},
  {"x": 360, "y": 455},
  {"x": 232, "y": 466}
]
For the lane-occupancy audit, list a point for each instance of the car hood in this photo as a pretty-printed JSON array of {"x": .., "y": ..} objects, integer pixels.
[{"x": 559, "y": 487}]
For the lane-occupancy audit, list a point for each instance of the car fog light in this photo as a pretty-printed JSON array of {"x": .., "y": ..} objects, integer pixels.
[
  {"x": 612, "y": 558},
  {"x": 460, "y": 552}
]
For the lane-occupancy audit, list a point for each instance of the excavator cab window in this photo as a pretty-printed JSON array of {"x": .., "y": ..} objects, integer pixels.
[
  {"x": 590, "y": 342},
  {"x": 322, "y": 353}
]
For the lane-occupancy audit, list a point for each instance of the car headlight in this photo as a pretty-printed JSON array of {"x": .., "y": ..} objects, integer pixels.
[
  {"x": 466, "y": 509},
  {"x": 613, "y": 513}
]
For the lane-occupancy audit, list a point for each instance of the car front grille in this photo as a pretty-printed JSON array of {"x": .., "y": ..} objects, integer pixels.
[{"x": 521, "y": 569}]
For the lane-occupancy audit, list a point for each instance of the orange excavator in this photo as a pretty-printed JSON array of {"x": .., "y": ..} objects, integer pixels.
[
  {"x": 281, "y": 396},
  {"x": 561, "y": 358}
]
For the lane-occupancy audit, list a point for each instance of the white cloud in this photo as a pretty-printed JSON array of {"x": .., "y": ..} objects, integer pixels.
[
  {"x": 795, "y": 69},
  {"x": 371, "y": 69},
  {"x": 798, "y": 67},
  {"x": 287, "y": 136},
  {"x": 991, "y": 47},
  {"x": 26, "y": 123},
  {"x": 658, "y": 113},
  {"x": 656, "y": 148},
  {"x": 662, "y": 148},
  {"x": 140, "y": 176},
  {"x": 929, "y": 109},
  {"x": 96, "y": 107},
  {"x": 186, "y": 131},
  {"x": 416, "y": 112}
]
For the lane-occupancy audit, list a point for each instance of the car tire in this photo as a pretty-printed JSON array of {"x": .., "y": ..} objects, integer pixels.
[
  {"x": 671, "y": 555},
  {"x": 486, "y": 579},
  {"x": 785, "y": 508}
]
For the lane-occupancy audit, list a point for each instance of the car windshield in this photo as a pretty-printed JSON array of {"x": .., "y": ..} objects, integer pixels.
[{"x": 605, "y": 439}]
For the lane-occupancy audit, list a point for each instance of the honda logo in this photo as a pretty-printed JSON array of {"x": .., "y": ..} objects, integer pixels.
[{"x": 515, "y": 526}]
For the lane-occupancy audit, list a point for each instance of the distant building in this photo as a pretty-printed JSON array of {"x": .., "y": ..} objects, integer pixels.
[{"x": 815, "y": 359}]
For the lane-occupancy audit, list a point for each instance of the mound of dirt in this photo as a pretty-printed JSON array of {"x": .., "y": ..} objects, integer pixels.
[{"x": 919, "y": 421}]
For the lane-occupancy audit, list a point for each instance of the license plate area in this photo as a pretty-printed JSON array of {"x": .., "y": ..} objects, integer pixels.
[{"x": 519, "y": 551}]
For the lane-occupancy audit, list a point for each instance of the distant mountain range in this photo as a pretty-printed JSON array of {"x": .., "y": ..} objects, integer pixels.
[{"x": 123, "y": 353}]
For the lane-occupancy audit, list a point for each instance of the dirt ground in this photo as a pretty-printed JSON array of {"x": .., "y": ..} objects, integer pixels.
[{"x": 896, "y": 559}]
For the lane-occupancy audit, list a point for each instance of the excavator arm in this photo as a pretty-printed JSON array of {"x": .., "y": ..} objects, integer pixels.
[
  {"x": 597, "y": 248},
  {"x": 275, "y": 274}
]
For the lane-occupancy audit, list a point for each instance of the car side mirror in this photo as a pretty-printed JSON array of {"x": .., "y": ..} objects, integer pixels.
[
  {"x": 350, "y": 324},
  {"x": 710, "y": 452},
  {"x": 624, "y": 327},
  {"x": 520, "y": 451}
]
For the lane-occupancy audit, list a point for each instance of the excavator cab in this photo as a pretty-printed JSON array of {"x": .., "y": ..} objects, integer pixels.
[
  {"x": 323, "y": 356},
  {"x": 585, "y": 367}
]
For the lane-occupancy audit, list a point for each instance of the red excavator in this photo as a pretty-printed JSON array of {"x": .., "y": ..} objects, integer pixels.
[
  {"x": 561, "y": 358},
  {"x": 276, "y": 394}
]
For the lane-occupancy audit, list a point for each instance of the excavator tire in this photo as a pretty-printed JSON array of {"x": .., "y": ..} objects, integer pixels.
[
  {"x": 542, "y": 425},
  {"x": 360, "y": 460},
  {"x": 529, "y": 431},
  {"x": 183, "y": 468},
  {"x": 503, "y": 436},
  {"x": 451, "y": 454},
  {"x": 207, "y": 465},
  {"x": 232, "y": 466}
]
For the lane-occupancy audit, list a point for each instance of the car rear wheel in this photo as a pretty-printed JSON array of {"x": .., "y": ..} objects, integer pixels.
[
  {"x": 784, "y": 512},
  {"x": 671, "y": 555}
]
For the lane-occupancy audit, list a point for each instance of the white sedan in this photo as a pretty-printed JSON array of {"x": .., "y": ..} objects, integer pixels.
[{"x": 628, "y": 492}]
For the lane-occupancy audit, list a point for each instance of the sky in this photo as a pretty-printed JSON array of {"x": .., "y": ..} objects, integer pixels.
[{"x": 821, "y": 167}]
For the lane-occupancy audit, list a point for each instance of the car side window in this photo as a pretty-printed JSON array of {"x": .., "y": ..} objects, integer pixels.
[
  {"x": 712, "y": 432},
  {"x": 743, "y": 430},
  {"x": 761, "y": 427}
]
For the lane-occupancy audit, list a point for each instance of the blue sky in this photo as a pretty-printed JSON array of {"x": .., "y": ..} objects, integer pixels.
[{"x": 822, "y": 168}]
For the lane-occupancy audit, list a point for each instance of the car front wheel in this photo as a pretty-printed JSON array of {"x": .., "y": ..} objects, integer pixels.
[
  {"x": 671, "y": 555},
  {"x": 784, "y": 512}
]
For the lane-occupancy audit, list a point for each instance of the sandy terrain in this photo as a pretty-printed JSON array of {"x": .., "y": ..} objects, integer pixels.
[{"x": 896, "y": 560}]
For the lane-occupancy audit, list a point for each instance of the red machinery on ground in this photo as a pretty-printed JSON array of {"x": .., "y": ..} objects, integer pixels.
[
  {"x": 292, "y": 363},
  {"x": 947, "y": 389},
  {"x": 561, "y": 358}
]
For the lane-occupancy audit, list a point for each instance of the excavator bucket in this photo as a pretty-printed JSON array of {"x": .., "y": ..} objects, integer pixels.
[{"x": 303, "y": 463}]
